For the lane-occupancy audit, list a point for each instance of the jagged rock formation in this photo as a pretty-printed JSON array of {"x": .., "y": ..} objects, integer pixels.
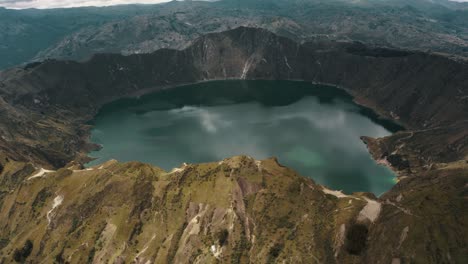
[{"x": 45, "y": 107}]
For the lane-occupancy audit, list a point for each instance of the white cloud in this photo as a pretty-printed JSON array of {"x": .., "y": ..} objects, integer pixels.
[{"x": 42, "y": 4}]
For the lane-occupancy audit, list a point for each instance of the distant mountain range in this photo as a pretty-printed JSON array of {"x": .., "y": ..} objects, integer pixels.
[
  {"x": 407, "y": 60},
  {"x": 238, "y": 210},
  {"x": 77, "y": 33}
]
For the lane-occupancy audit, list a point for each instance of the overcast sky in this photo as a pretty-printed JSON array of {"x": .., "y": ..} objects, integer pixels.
[{"x": 19, "y": 4}]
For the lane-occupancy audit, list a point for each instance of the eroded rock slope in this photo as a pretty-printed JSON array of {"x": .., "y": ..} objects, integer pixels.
[{"x": 239, "y": 209}]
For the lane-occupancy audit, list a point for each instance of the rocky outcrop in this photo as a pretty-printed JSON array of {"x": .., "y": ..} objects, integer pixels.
[
  {"x": 134, "y": 212},
  {"x": 262, "y": 212},
  {"x": 45, "y": 107}
]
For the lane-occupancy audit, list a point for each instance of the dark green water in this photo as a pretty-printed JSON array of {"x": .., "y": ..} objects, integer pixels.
[{"x": 314, "y": 129}]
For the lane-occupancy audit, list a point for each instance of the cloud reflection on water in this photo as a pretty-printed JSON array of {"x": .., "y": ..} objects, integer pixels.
[{"x": 318, "y": 140}]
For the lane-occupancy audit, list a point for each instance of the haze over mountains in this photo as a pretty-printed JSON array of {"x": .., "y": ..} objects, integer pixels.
[
  {"x": 47, "y": 4},
  {"x": 53, "y": 209},
  {"x": 406, "y": 60},
  {"x": 23, "y": 4},
  {"x": 77, "y": 33}
]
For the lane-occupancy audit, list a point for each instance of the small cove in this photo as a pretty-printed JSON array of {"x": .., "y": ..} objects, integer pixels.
[{"x": 314, "y": 129}]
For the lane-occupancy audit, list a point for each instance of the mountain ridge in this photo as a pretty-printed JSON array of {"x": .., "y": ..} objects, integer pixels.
[
  {"x": 46, "y": 107},
  {"x": 78, "y": 33},
  {"x": 241, "y": 53}
]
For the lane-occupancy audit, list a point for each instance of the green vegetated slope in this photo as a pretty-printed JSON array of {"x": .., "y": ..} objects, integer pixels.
[
  {"x": 24, "y": 33},
  {"x": 239, "y": 208},
  {"x": 78, "y": 33}
]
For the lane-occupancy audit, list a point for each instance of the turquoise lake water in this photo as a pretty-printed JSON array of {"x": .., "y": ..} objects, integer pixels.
[{"x": 313, "y": 129}]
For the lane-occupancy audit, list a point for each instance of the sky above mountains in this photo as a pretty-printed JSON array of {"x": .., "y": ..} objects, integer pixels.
[{"x": 22, "y": 4}]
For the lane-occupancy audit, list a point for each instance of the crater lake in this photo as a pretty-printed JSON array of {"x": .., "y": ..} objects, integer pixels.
[{"x": 314, "y": 129}]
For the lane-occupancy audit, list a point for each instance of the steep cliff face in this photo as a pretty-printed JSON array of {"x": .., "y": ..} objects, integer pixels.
[
  {"x": 238, "y": 210},
  {"x": 262, "y": 212},
  {"x": 425, "y": 212},
  {"x": 422, "y": 91},
  {"x": 254, "y": 206}
]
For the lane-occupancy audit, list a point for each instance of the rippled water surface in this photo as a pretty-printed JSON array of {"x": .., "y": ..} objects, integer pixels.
[{"x": 313, "y": 129}]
